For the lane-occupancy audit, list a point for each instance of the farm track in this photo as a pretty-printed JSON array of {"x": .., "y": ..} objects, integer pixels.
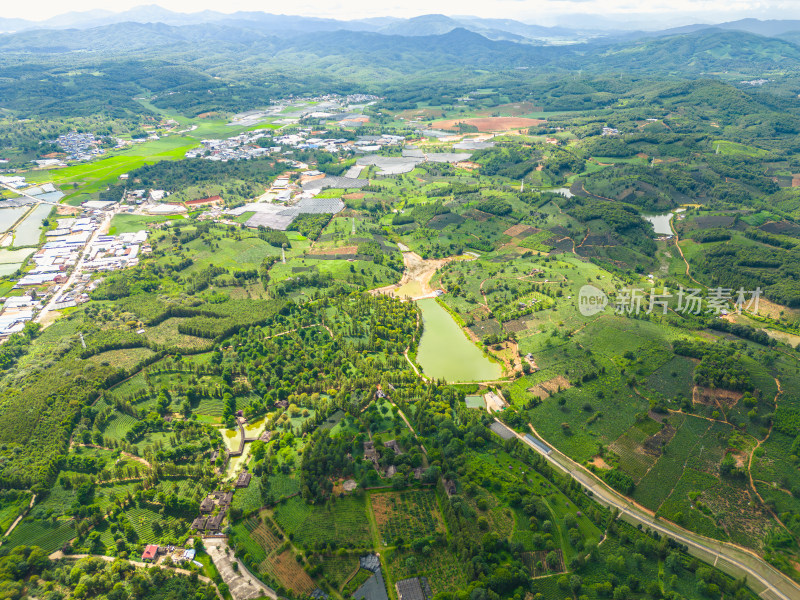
[
  {"x": 736, "y": 560},
  {"x": 138, "y": 459},
  {"x": 408, "y": 424},
  {"x": 750, "y": 466},
  {"x": 19, "y": 518},
  {"x": 413, "y": 366},
  {"x": 678, "y": 246},
  {"x": 328, "y": 329}
]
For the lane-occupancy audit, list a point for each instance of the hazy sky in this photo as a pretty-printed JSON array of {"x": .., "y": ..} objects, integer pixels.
[{"x": 533, "y": 11}]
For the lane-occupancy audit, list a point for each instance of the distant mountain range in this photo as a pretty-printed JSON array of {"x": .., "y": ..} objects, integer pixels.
[
  {"x": 390, "y": 46},
  {"x": 396, "y": 49},
  {"x": 424, "y": 25},
  {"x": 287, "y": 25}
]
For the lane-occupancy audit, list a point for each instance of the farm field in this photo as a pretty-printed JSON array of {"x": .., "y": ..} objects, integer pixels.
[
  {"x": 90, "y": 177},
  {"x": 523, "y": 215},
  {"x": 133, "y": 223},
  {"x": 406, "y": 516},
  {"x": 284, "y": 569},
  {"x": 442, "y": 569},
  {"x": 342, "y": 522},
  {"x": 48, "y": 536}
]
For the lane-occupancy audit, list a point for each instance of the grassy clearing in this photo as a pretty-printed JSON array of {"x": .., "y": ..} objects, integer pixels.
[
  {"x": 132, "y": 223},
  {"x": 125, "y": 359},
  {"x": 166, "y": 333}
]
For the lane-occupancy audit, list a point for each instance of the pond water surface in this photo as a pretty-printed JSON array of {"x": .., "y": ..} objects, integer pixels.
[
  {"x": 661, "y": 222},
  {"x": 9, "y": 216},
  {"x": 232, "y": 439},
  {"x": 28, "y": 232},
  {"x": 445, "y": 352}
]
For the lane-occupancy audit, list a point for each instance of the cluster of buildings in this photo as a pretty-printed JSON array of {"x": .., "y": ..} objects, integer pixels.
[
  {"x": 249, "y": 145},
  {"x": 73, "y": 244},
  {"x": 60, "y": 252},
  {"x": 372, "y": 143},
  {"x": 178, "y": 555},
  {"x": 79, "y": 146},
  {"x": 113, "y": 252},
  {"x": 13, "y": 181},
  {"x": 208, "y": 520},
  {"x": 239, "y": 147},
  {"x": 15, "y": 312}
]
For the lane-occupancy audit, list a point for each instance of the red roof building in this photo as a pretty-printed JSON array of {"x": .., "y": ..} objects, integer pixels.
[{"x": 150, "y": 552}]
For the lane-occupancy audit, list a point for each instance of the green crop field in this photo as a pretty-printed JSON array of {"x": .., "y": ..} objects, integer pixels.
[
  {"x": 342, "y": 522},
  {"x": 123, "y": 223},
  {"x": 93, "y": 176},
  {"x": 338, "y": 569},
  {"x": 443, "y": 570},
  {"x": 247, "y": 543},
  {"x": 653, "y": 489},
  {"x": 119, "y": 425},
  {"x": 125, "y": 359},
  {"x": 142, "y": 520},
  {"x": 11, "y": 507},
  {"x": 47, "y": 535}
]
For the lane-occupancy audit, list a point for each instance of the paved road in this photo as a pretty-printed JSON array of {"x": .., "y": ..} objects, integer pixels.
[
  {"x": 77, "y": 270},
  {"x": 241, "y": 583},
  {"x": 28, "y": 196},
  {"x": 768, "y": 582}
]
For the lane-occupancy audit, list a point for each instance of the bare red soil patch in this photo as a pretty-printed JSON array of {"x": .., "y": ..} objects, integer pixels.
[
  {"x": 490, "y": 123},
  {"x": 598, "y": 462},
  {"x": 288, "y": 572},
  {"x": 715, "y": 397}
]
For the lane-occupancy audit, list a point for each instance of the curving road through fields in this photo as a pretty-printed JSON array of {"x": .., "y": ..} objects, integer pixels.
[{"x": 763, "y": 578}]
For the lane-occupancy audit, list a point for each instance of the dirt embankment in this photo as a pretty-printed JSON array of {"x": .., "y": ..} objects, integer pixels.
[{"x": 416, "y": 281}]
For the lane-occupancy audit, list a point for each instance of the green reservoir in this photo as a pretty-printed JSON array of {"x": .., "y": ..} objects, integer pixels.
[{"x": 445, "y": 352}]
